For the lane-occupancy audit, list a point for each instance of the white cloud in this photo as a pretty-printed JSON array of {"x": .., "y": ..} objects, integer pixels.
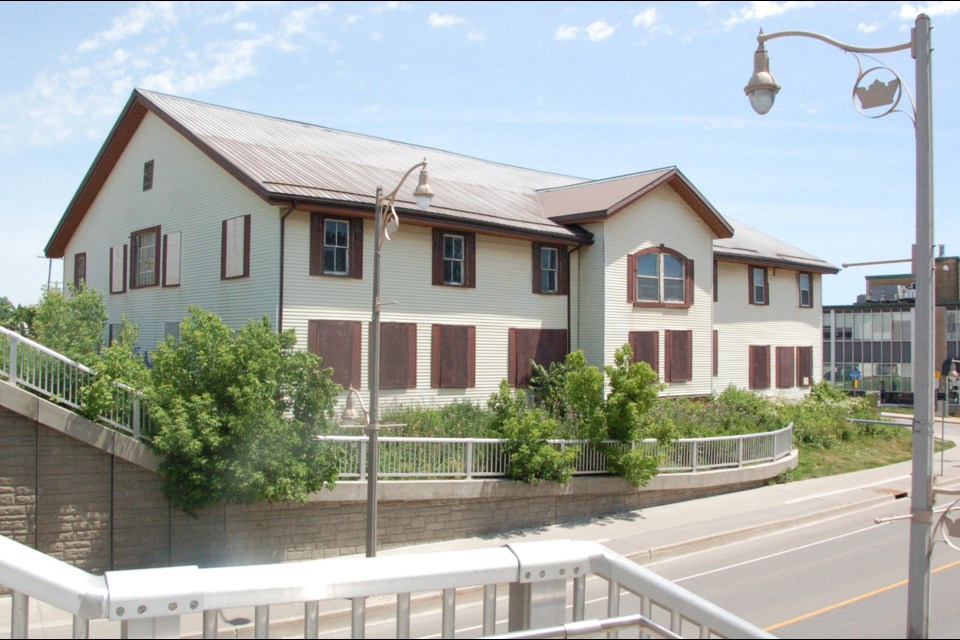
[
  {"x": 132, "y": 23},
  {"x": 910, "y": 12},
  {"x": 646, "y": 18},
  {"x": 387, "y": 6},
  {"x": 599, "y": 30},
  {"x": 476, "y": 36},
  {"x": 376, "y": 36},
  {"x": 566, "y": 32},
  {"x": 863, "y": 27},
  {"x": 761, "y": 10},
  {"x": 440, "y": 21}
]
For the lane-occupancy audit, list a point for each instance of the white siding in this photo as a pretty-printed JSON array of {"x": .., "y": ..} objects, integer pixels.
[
  {"x": 661, "y": 217},
  {"x": 782, "y": 323},
  {"x": 191, "y": 195},
  {"x": 502, "y": 299},
  {"x": 588, "y": 298}
]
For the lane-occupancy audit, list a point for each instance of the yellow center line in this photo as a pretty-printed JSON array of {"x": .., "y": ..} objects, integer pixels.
[{"x": 838, "y": 605}]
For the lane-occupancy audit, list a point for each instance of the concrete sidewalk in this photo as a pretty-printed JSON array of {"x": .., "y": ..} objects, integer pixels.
[{"x": 645, "y": 535}]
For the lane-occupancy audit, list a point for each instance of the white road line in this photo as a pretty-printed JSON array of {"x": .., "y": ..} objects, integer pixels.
[{"x": 838, "y": 491}]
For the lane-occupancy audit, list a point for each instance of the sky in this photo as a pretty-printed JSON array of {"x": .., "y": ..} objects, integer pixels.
[{"x": 588, "y": 89}]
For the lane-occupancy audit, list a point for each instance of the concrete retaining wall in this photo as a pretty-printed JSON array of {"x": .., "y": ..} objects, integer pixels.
[{"x": 91, "y": 496}]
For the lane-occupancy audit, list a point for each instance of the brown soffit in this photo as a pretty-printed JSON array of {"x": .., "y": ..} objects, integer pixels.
[
  {"x": 672, "y": 177},
  {"x": 775, "y": 263}
]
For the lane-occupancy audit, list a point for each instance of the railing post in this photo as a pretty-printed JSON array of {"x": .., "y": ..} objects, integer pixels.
[
  {"x": 363, "y": 460},
  {"x": 13, "y": 360},
  {"x": 693, "y": 456},
  {"x": 469, "y": 461},
  {"x": 136, "y": 416},
  {"x": 740, "y": 440},
  {"x": 20, "y": 615}
]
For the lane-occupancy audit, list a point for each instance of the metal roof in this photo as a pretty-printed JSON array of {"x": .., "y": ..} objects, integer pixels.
[{"x": 751, "y": 245}]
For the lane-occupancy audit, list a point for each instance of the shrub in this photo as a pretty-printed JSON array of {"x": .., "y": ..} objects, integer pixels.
[{"x": 532, "y": 458}]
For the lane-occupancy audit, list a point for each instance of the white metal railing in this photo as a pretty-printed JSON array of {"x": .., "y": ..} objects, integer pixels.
[
  {"x": 547, "y": 585},
  {"x": 33, "y": 366},
  {"x": 485, "y": 457}
]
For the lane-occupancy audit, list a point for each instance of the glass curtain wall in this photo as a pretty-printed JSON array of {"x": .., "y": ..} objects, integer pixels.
[{"x": 866, "y": 348}]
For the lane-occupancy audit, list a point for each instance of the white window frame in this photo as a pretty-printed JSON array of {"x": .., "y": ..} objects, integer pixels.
[
  {"x": 336, "y": 248},
  {"x": 456, "y": 279}
]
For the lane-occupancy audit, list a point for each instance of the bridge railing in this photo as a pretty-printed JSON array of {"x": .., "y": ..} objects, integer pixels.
[{"x": 546, "y": 585}]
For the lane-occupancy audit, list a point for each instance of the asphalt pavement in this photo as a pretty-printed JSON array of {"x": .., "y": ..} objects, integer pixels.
[{"x": 650, "y": 534}]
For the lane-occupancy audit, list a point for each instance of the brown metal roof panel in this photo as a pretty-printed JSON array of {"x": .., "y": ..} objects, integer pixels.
[{"x": 749, "y": 244}]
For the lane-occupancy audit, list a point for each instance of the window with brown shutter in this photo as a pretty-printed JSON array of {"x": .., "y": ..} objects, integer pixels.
[
  {"x": 678, "y": 355},
  {"x": 646, "y": 348},
  {"x": 759, "y": 367},
  {"x": 118, "y": 269},
  {"x": 235, "y": 248},
  {"x": 336, "y": 246},
  {"x": 337, "y": 342},
  {"x": 786, "y": 367},
  {"x": 543, "y": 346},
  {"x": 148, "y": 175},
  {"x": 79, "y": 270},
  {"x": 453, "y": 356},
  {"x": 660, "y": 277},
  {"x": 454, "y": 259},
  {"x": 759, "y": 287},
  {"x": 398, "y": 355},
  {"x": 551, "y": 266},
  {"x": 145, "y": 258},
  {"x": 804, "y": 366},
  {"x": 171, "y": 259},
  {"x": 805, "y": 289}
]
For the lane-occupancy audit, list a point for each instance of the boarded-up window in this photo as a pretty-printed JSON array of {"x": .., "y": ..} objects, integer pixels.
[
  {"x": 543, "y": 346},
  {"x": 235, "y": 248},
  {"x": 646, "y": 348},
  {"x": 118, "y": 269},
  {"x": 551, "y": 266},
  {"x": 398, "y": 355},
  {"x": 804, "y": 366},
  {"x": 148, "y": 175},
  {"x": 336, "y": 246},
  {"x": 337, "y": 342},
  {"x": 786, "y": 367},
  {"x": 454, "y": 258},
  {"x": 171, "y": 259},
  {"x": 678, "y": 355},
  {"x": 453, "y": 356},
  {"x": 759, "y": 367},
  {"x": 79, "y": 270},
  {"x": 145, "y": 258}
]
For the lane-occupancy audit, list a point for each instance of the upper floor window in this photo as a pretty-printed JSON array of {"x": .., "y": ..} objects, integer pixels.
[
  {"x": 145, "y": 258},
  {"x": 805, "y": 283},
  {"x": 454, "y": 259},
  {"x": 758, "y": 286},
  {"x": 550, "y": 268},
  {"x": 148, "y": 175},
  {"x": 79, "y": 270},
  {"x": 660, "y": 277},
  {"x": 336, "y": 246},
  {"x": 235, "y": 248}
]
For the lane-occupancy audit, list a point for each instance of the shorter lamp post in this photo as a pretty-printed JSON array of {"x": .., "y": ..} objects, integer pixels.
[
  {"x": 382, "y": 231},
  {"x": 762, "y": 89}
]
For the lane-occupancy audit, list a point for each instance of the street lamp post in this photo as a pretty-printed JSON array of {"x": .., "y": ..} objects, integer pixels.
[
  {"x": 761, "y": 89},
  {"x": 382, "y": 231}
]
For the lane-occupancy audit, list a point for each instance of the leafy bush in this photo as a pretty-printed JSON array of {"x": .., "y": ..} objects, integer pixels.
[
  {"x": 71, "y": 324},
  {"x": 460, "y": 419},
  {"x": 237, "y": 414},
  {"x": 118, "y": 363},
  {"x": 532, "y": 458}
]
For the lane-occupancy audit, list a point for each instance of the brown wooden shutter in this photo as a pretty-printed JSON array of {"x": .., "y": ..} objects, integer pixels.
[
  {"x": 398, "y": 355},
  {"x": 223, "y": 250},
  {"x": 438, "y": 257},
  {"x": 543, "y": 346},
  {"x": 356, "y": 248},
  {"x": 148, "y": 175},
  {"x": 453, "y": 356},
  {"x": 537, "y": 265},
  {"x": 678, "y": 347},
  {"x": 786, "y": 371},
  {"x": 512, "y": 377},
  {"x": 247, "y": 224},
  {"x": 688, "y": 288},
  {"x": 436, "y": 353},
  {"x": 79, "y": 270},
  {"x": 646, "y": 348},
  {"x": 631, "y": 278},
  {"x": 471, "y": 357},
  {"x": 804, "y": 366},
  {"x": 337, "y": 342},
  {"x": 470, "y": 248},
  {"x": 316, "y": 244},
  {"x": 759, "y": 367},
  {"x": 563, "y": 272}
]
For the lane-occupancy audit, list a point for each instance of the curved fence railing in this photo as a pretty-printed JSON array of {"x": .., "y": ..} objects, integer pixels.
[
  {"x": 33, "y": 366},
  {"x": 432, "y": 458}
]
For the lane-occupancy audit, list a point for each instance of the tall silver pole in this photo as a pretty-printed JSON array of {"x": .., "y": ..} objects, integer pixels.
[
  {"x": 373, "y": 449},
  {"x": 921, "y": 495}
]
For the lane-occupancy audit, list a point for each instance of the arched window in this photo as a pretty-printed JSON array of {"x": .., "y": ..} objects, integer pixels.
[{"x": 659, "y": 277}]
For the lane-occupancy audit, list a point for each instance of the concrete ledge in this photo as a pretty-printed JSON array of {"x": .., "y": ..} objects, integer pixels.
[
  {"x": 76, "y": 426},
  {"x": 420, "y": 490}
]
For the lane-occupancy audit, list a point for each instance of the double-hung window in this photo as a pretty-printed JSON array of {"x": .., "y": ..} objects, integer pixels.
[
  {"x": 549, "y": 270},
  {"x": 660, "y": 277},
  {"x": 145, "y": 258},
  {"x": 336, "y": 247},
  {"x": 758, "y": 286},
  {"x": 805, "y": 284},
  {"x": 453, "y": 259}
]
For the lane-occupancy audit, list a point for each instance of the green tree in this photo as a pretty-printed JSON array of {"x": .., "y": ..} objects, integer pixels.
[
  {"x": 72, "y": 323},
  {"x": 237, "y": 414},
  {"x": 19, "y": 318},
  {"x": 118, "y": 363}
]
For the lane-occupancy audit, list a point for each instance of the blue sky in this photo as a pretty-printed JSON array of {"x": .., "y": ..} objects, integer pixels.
[{"x": 591, "y": 89}]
